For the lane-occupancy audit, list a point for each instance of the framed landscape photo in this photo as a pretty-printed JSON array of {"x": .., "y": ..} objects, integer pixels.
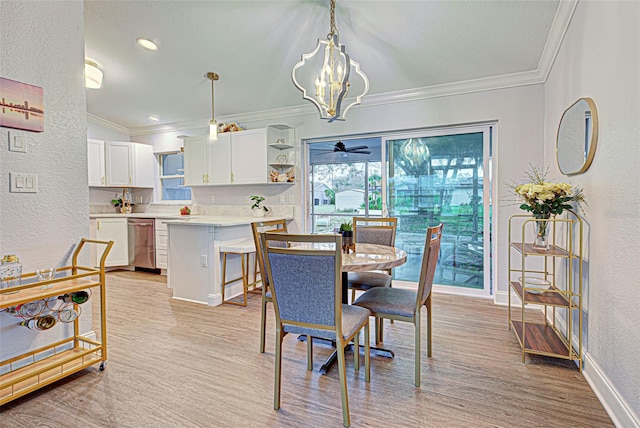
[{"x": 21, "y": 106}]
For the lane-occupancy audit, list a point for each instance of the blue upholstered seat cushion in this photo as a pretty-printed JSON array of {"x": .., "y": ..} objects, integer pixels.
[
  {"x": 353, "y": 317},
  {"x": 392, "y": 301},
  {"x": 268, "y": 294},
  {"x": 367, "y": 280}
]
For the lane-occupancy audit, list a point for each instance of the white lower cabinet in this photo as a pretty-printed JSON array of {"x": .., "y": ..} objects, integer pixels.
[
  {"x": 161, "y": 244},
  {"x": 112, "y": 229}
]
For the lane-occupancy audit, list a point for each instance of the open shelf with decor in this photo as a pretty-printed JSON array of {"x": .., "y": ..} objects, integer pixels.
[
  {"x": 551, "y": 278},
  {"x": 281, "y": 154},
  {"x": 72, "y": 285}
]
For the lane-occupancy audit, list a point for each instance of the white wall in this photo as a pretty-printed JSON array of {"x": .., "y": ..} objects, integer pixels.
[
  {"x": 600, "y": 58},
  {"x": 42, "y": 43}
]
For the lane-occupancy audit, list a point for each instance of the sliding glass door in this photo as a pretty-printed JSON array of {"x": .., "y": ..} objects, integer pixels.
[
  {"x": 440, "y": 176},
  {"x": 422, "y": 178}
]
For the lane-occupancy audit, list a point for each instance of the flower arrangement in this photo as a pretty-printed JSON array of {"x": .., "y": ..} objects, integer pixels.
[{"x": 544, "y": 198}]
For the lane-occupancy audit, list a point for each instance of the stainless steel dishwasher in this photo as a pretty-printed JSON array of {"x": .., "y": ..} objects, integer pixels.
[{"x": 142, "y": 249}]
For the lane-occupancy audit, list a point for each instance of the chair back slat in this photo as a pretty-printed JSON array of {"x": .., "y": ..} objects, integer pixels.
[
  {"x": 305, "y": 279},
  {"x": 429, "y": 262}
]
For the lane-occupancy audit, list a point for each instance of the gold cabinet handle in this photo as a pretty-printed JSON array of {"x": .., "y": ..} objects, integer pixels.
[
  {"x": 203, "y": 178},
  {"x": 102, "y": 180},
  {"x": 98, "y": 224}
]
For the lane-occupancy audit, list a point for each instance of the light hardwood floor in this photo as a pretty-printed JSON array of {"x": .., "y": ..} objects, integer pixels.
[{"x": 179, "y": 364}]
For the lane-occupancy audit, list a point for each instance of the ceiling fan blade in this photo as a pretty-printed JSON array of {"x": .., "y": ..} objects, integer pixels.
[
  {"x": 362, "y": 152},
  {"x": 350, "y": 149}
]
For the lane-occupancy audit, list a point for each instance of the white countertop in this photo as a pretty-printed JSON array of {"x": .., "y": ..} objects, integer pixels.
[
  {"x": 193, "y": 220},
  {"x": 199, "y": 220},
  {"x": 138, "y": 215}
]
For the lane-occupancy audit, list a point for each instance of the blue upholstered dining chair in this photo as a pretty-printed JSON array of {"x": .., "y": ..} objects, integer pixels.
[
  {"x": 306, "y": 285},
  {"x": 257, "y": 227},
  {"x": 371, "y": 230},
  {"x": 404, "y": 305}
]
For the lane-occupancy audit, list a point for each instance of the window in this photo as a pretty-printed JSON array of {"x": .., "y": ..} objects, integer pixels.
[{"x": 172, "y": 178}]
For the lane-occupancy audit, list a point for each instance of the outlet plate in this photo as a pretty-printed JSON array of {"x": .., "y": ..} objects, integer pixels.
[
  {"x": 203, "y": 260},
  {"x": 247, "y": 199},
  {"x": 282, "y": 201},
  {"x": 213, "y": 199},
  {"x": 292, "y": 199}
]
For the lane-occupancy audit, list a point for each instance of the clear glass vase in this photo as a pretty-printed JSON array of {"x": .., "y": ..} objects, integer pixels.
[{"x": 541, "y": 233}]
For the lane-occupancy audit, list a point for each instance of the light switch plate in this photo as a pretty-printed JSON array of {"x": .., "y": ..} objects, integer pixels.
[
  {"x": 23, "y": 183},
  {"x": 17, "y": 142},
  {"x": 292, "y": 199}
]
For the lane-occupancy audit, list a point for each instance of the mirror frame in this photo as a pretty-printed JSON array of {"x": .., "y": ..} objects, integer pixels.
[{"x": 592, "y": 143}]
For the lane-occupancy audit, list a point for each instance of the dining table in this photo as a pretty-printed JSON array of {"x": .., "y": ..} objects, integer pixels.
[{"x": 366, "y": 257}]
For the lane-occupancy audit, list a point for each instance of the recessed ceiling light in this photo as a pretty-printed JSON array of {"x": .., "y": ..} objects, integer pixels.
[
  {"x": 147, "y": 44},
  {"x": 154, "y": 118}
]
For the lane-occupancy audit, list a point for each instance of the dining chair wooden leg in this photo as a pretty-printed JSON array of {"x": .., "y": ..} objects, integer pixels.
[
  {"x": 367, "y": 359},
  {"x": 429, "y": 324},
  {"x": 309, "y": 353},
  {"x": 356, "y": 351},
  {"x": 263, "y": 322},
  {"x": 277, "y": 380},
  {"x": 343, "y": 382},
  {"x": 417, "y": 350}
]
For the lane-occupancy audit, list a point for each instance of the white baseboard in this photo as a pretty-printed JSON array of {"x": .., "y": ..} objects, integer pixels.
[{"x": 617, "y": 408}]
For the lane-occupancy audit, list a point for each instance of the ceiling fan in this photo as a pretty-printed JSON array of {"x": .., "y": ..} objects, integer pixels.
[{"x": 339, "y": 147}]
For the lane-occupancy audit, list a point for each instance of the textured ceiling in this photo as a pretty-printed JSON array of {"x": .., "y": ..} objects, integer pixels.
[{"x": 253, "y": 45}]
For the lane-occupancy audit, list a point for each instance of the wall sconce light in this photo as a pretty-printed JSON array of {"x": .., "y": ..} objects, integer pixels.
[
  {"x": 92, "y": 74},
  {"x": 213, "y": 125},
  {"x": 326, "y": 72}
]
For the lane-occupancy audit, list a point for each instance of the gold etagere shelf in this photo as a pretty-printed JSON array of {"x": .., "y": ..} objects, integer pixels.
[
  {"x": 36, "y": 368},
  {"x": 560, "y": 266}
]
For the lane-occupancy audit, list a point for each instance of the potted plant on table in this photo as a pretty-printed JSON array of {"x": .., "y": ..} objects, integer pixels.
[
  {"x": 346, "y": 230},
  {"x": 257, "y": 208}
]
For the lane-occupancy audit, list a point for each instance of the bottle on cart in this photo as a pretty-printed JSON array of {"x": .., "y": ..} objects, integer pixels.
[
  {"x": 78, "y": 297},
  {"x": 43, "y": 322}
]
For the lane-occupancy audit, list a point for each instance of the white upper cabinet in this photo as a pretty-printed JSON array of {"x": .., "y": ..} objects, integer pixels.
[
  {"x": 249, "y": 156},
  {"x": 95, "y": 163},
  {"x": 119, "y": 163},
  {"x": 207, "y": 162},
  {"x": 144, "y": 163},
  {"x": 220, "y": 159}
]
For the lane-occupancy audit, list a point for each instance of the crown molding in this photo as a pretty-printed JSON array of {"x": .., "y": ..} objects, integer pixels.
[
  {"x": 107, "y": 124},
  {"x": 559, "y": 28}
]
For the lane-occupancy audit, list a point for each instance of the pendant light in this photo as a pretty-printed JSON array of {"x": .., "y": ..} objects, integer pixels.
[
  {"x": 324, "y": 76},
  {"x": 213, "y": 125}
]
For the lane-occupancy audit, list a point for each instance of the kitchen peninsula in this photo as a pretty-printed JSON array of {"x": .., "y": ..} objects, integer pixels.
[{"x": 194, "y": 267}]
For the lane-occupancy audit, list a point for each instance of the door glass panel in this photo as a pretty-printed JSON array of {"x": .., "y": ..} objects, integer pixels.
[{"x": 433, "y": 179}]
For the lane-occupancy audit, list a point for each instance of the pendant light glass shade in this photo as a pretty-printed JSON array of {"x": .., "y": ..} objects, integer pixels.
[{"x": 213, "y": 124}]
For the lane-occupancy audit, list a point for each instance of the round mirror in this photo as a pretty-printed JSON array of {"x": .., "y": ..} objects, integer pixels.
[{"x": 577, "y": 137}]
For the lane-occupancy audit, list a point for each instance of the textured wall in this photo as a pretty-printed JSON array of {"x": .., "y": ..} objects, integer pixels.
[
  {"x": 42, "y": 43},
  {"x": 600, "y": 58}
]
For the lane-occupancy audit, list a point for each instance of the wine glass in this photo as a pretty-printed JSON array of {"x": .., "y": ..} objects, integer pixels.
[{"x": 46, "y": 275}]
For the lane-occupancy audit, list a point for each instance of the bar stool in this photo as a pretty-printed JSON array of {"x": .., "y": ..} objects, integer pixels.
[{"x": 244, "y": 249}]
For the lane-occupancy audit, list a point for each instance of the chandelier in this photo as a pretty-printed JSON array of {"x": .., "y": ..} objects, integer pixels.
[
  {"x": 416, "y": 151},
  {"x": 213, "y": 125},
  {"x": 324, "y": 75}
]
